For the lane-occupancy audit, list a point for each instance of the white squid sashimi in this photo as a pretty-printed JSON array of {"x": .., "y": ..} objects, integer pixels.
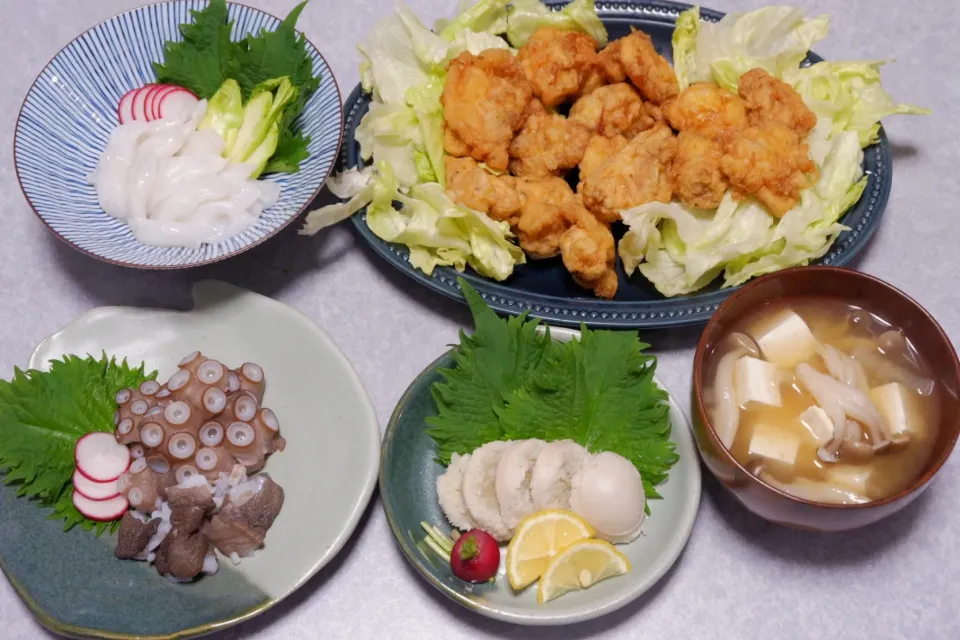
[
  {"x": 203, "y": 142},
  {"x": 224, "y": 219},
  {"x": 110, "y": 177},
  {"x": 140, "y": 181},
  {"x": 181, "y": 170},
  {"x": 190, "y": 196},
  {"x": 269, "y": 192}
]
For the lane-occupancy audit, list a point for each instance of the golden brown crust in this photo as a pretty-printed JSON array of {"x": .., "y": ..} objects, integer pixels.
[
  {"x": 559, "y": 64},
  {"x": 483, "y": 100}
]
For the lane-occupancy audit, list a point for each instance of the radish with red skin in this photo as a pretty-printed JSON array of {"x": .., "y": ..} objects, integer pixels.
[
  {"x": 176, "y": 101},
  {"x": 125, "y": 108},
  {"x": 100, "y": 457},
  {"x": 94, "y": 490},
  {"x": 101, "y": 510},
  {"x": 138, "y": 109},
  {"x": 153, "y": 101},
  {"x": 148, "y": 101},
  {"x": 475, "y": 556}
]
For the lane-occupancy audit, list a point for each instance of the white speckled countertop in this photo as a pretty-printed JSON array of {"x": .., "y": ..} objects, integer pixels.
[{"x": 739, "y": 577}]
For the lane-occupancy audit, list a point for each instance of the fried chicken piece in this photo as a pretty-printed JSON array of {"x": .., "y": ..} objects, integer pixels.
[
  {"x": 547, "y": 145},
  {"x": 453, "y": 145},
  {"x": 771, "y": 99},
  {"x": 588, "y": 251},
  {"x": 697, "y": 179},
  {"x": 559, "y": 64},
  {"x": 471, "y": 185},
  {"x": 594, "y": 79},
  {"x": 541, "y": 218},
  {"x": 647, "y": 69},
  {"x": 616, "y": 109},
  {"x": 483, "y": 102},
  {"x": 599, "y": 150},
  {"x": 610, "y": 63},
  {"x": 770, "y": 163},
  {"x": 636, "y": 175},
  {"x": 709, "y": 111}
]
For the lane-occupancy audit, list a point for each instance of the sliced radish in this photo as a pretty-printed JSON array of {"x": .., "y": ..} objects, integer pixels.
[
  {"x": 101, "y": 510},
  {"x": 140, "y": 103},
  {"x": 95, "y": 490},
  {"x": 100, "y": 457},
  {"x": 147, "y": 98},
  {"x": 175, "y": 102},
  {"x": 153, "y": 100},
  {"x": 124, "y": 109}
]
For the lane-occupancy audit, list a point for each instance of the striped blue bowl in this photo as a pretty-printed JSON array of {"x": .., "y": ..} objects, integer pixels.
[{"x": 71, "y": 109}]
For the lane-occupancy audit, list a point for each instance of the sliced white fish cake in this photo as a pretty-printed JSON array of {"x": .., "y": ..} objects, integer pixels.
[
  {"x": 550, "y": 482},
  {"x": 449, "y": 493},
  {"x": 480, "y": 491},
  {"x": 513, "y": 481}
]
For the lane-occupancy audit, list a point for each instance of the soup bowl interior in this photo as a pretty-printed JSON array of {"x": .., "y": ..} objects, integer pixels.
[{"x": 851, "y": 288}]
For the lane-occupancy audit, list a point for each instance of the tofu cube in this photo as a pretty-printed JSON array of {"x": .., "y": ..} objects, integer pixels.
[
  {"x": 757, "y": 381},
  {"x": 786, "y": 340},
  {"x": 849, "y": 477},
  {"x": 818, "y": 423},
  {"x": 774, "y": 444},
  {"x": 898, "y": 407}
]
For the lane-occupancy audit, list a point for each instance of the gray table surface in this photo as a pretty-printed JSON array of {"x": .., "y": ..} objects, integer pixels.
[{"x": 739, "y": 577}]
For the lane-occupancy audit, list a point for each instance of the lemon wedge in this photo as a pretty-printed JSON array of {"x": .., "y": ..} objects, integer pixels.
[
  {"x": 539, "y": 538},
  {"x": 579, "y": 566}
]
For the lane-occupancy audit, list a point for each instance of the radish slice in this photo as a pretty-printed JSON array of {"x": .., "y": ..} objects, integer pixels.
[
  {"x": 153, "y": 100},
  {"x": 94, "y": 490},
  {"x": 148, "y": 100},
  {"x": 124, "y": 109},
  {"x": 100, "y": 457},
  {"x": 101, "y": 510},
  {"x": 176, "y": 101},
  {"x": 139, "y": 103}
]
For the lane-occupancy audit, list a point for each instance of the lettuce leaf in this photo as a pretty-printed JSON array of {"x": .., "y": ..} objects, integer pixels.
[
  {"x": 486, "y": 16},
  {"x": 526, "y": 16},
  {"x": 774, "y": 38},
  {"x": 681, "y": 250},
  {"x": 437, "y": 231},
  {"x": 403, "y": 66},
  {"x": 849, "y": 96}
]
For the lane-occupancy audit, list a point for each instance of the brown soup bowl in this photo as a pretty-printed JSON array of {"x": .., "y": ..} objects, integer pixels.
[{"x": 854, "y": 288}]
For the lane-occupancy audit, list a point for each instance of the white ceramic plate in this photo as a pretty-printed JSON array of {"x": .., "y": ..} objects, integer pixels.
[
  {"x": 408, "y": 474},
  {"x": 329, "y": 467}
]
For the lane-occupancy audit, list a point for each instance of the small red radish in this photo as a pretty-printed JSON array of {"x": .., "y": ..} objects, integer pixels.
[
  {"x": 100, "y": 457},
  {"x": 138, "y": 109},
  {"x": 94, "y": 490},
  {"x": 101, "y": 510},
  {"x": 475, "y": 556},
  {"x": 175, "y": 102},
  {"x": 153, "y": 100},
  {"x": 148, "y": 101},
  {"x": 125, "y": 108}
]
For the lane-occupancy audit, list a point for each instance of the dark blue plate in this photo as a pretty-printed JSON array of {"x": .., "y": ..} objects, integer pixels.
[{"x": 546, "y": 289}]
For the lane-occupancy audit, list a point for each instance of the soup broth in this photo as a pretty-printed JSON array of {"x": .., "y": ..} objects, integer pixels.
[{"x": 823, "y": 400}]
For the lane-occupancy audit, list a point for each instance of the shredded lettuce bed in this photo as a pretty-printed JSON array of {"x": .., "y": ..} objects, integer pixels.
[
  {"x": 679, "y": 249},
  {"x": 403, "y": 66}
]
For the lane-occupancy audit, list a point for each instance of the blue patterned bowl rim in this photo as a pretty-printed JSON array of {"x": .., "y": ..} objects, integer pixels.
[
  {"x": 191, "y": 4},
  {"x": 697, "y": 308}
]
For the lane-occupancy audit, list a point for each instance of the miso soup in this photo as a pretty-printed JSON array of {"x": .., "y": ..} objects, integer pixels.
[{"x": 823, "y": 400}]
